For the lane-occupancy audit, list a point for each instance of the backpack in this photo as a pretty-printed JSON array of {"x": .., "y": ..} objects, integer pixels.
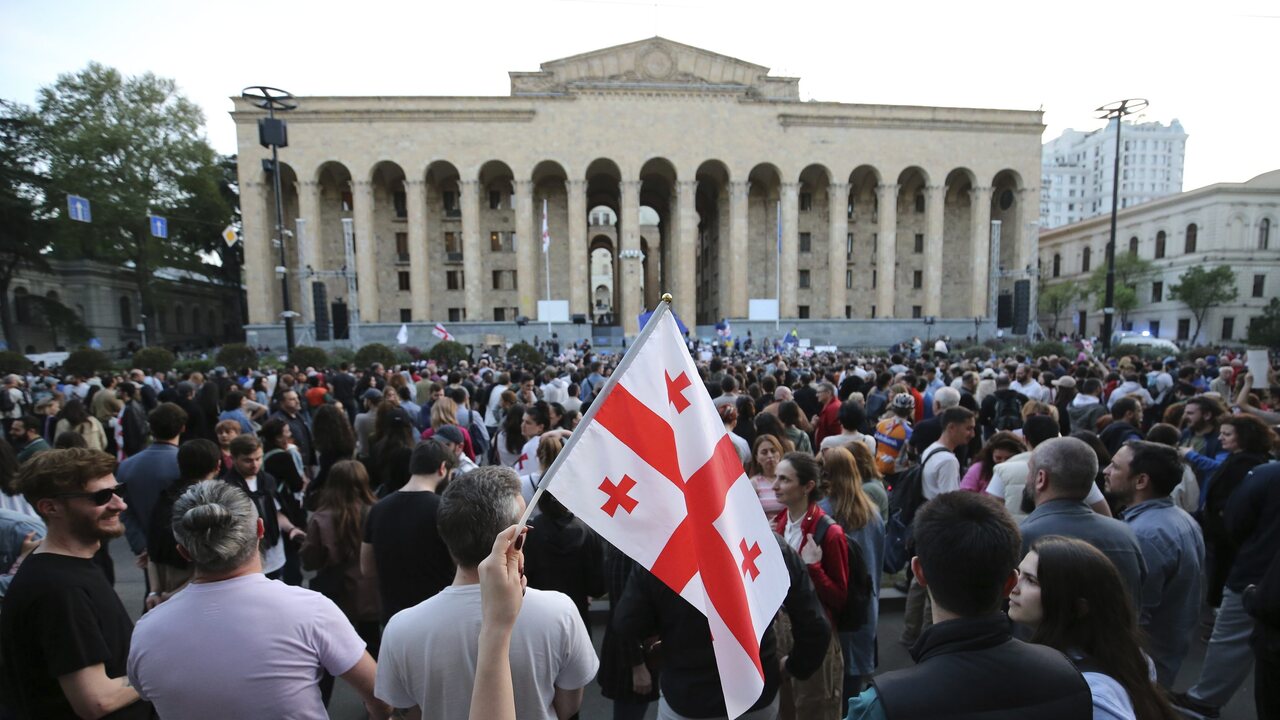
[
  {"x": 906, "y": 499},
  {"x": 1008, "y": 413},
  {"x": 858, "y": 599},
  {"x": 6, "y": 401}
]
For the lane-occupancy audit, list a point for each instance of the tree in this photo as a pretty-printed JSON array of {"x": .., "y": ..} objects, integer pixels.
[
  {"x": 134, "y": 146},
  {"x": 58, "y": 318},
  {"x": 1264, "y": 329},
  {"x": 1129, "y": 270},
  {"x": 23, "y": 234},
  {"x": 1055, "y": 300},
  {"x": 1201, "y": 289}
]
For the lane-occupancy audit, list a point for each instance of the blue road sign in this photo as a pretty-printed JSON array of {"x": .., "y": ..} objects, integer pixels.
[
  {"x": 78, "y": 208},
  {"x": 159, "y": 226},
  {"x": 95, "y": 343}
]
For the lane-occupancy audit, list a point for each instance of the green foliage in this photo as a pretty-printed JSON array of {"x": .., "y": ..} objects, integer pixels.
[
  {"x": 154, "y": 359},
  {"x": 448, "y": 352},
  {"x": 976, "y": 352},
  {"x": 200, "y": 365},
  {"x": 1056, "y": 299},
  {"x": 85, "y": 362},
  {"x": 234, "y": 356},
  {"x": 23, "y": 233},
  {"x": 1264, "y": 329},
  {"x": 375, "y": 353},
  {"x": 525, "y": 354},
  {"x": 305, "y": 356},
  {"x": 1201, "y": 289},
  {"x": 1130, "y": 269},
  {"x": 340, "y": 355},
  {"x": 12, "y": 361},
  {"x": 1045, "y": 348}
]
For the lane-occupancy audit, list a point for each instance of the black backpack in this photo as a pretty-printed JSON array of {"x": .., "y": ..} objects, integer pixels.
[
  {"x": 1008, "y": 412},
  {"x": 906, "y": 499},
  {"x": 858, "y": 598},
  {"x": 6, "y": 400}
]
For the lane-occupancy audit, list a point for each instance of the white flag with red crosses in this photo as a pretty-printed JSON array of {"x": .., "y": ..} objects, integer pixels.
[{"x": 653, "y": 471}]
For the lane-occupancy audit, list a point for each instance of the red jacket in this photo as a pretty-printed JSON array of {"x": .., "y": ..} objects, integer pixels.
[
  {"x": 828, "y": 423},
  {"x": 831, "y": 575}
]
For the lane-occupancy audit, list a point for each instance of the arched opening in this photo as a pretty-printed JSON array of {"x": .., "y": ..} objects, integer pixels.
[
  {"x": 390, "y": 237},
  {"x": 126, "y": 313},
  {"x": 550, "y": 186},
  {"x": 604, "y": 201},
  {"x": 713, "y": 255},
  {"x": 336, "y": 204},
  {"x": 1057, "y": 265},
  {"x": 22, "y": 306},
  {"x": 764, "y": 224},
  {"x": 603, "y": 263},
  {"x": 910, "y": 236},
  {"x": 1005, "y": 199},
  {"x": 1192, "y": 232},
  {"x": 1264, "y": 234},
  {"x": 1133, "y": 246},
  {"x": 293, "y": 261},
  {"x": 861, "y": 275},
  {"x": 813, "y": 228},
  {"x": 444, "y": 242},
  {"x": 658, "y": 222},
  {"x": 1086, "y": 259},
  {"x": 957, "y": 242},
  {"x": 1160, "y": 243},
  {"x": 499, "y": 261}
]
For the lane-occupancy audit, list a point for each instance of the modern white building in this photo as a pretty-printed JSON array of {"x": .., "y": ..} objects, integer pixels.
[
  {"x": 1232, "y": 224},
  {"x": 1076, "y": 169}
]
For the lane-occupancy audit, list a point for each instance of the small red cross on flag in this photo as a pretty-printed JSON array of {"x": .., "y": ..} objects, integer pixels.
[{"x": 654, "y": 447}]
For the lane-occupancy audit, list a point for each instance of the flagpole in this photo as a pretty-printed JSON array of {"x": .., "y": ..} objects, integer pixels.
[
  {"x": 664, "y": 306},
  {"x": 777, "y": 263},
  {"x": 546, "y": 259}
]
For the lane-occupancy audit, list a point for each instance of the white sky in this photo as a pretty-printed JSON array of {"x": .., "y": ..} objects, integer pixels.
[{"x": 1210, "y": 65}]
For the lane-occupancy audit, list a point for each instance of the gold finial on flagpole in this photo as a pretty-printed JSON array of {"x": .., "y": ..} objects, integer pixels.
[{"x": 666, "y": 298}]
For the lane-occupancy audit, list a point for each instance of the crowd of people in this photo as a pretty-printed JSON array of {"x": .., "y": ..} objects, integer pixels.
[{"x": 1063, "y": 528}]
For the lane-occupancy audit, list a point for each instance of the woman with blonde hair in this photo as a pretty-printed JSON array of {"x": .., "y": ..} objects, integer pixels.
[
  {"x": 445, "y": 412},
  {"x": 849, "y": 506}
]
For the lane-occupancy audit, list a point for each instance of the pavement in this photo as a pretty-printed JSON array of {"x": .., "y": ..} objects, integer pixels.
[{"x": 346, "y": 705}]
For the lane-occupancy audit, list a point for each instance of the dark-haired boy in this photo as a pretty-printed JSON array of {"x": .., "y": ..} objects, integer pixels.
[{"x": 968, "y": 664}]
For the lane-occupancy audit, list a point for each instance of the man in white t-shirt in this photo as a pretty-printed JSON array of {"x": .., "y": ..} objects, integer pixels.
[
  {"x": 429, "y": 651},
  {"x": 234, "y": 644},
  {"x": 941, "y": 473},
  {"x": 1026, "y": 384}
]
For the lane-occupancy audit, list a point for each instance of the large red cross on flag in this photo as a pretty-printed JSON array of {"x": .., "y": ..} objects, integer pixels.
[{"x": 652, "y": 470}]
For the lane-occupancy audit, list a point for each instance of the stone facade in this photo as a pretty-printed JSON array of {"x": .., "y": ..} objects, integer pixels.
[
  {"x": 444, "y": 196},
  {"x": 1231, "y": 224}
]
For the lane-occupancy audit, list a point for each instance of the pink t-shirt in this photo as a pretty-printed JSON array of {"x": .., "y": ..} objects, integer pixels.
[
  {"x": 240, "y": 648},
  {"x": 768, "y": 499}
]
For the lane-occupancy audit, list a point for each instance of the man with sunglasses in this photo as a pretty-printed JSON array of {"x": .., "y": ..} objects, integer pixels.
[{"x": 64, "y": 634}]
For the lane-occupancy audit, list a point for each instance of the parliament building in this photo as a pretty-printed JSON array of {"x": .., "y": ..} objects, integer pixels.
[{"x": 662, "y": 168}]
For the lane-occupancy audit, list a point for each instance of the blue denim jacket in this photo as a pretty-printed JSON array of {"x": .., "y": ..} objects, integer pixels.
[
  {"x": 14, "y": 527},
  {"x": 1173, "y": 549}
]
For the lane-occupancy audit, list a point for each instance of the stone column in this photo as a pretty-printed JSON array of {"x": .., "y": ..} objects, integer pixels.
[
  {"x": 309, "y": 255},
  {"x": 980, "y": 213},
  {"x": 629, "y": 257},
  {"x": 415, "y": 192},
  {"x": 733, "y": 286},
  {"x": 787, "y": 302},
  {"x": 528, "y": 247},
  {"x": 472, "y": 262},
  {"x": 685, "y": 257},
  {"x": 837, "y": 262},
  {"x": 887, "y": 250},
  {"x": 366, "y": 249},
  {"x": 259, "y": 261},
  {"x": 579, "y": 256},
  {"x": 934, "y": 202},
  {"x": 1028, "y": 213},
  {"x": 652, "y": 281}
]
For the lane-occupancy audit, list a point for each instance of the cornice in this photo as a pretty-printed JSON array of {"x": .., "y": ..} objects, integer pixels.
[
  {"x": 878, "y": 123},
  {"x": 355, "y": 115}
]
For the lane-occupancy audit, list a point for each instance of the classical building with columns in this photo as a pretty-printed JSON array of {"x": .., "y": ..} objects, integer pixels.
[{"x": 699, "y": 174}]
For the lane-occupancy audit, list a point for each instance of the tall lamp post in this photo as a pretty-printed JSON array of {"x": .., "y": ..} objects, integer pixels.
[
  {"x": 273, "y": 133},
  {"x": 1117, "y": 111}
]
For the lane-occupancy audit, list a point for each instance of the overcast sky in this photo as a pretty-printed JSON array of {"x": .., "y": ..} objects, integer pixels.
[{"x": 1212, "y": 66}]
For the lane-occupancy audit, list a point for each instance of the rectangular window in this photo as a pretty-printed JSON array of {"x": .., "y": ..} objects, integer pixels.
[
  {"x": 873, "y": 312},
  {"x": 848, "y": 279},
  {"x": 346, "y": 201},
  {"x": 504, "y": 279},
  {"x": 848, "y": 311},
  {"x": 1184, "y": 328},
  {"x": 804, "y": 279},
  {"x": 917, "y": 279},
  {"x": 449, "y": 199},
  {"x": 806, "y": 242},
  {"x": 1157, "y": 292},
  {"x": 451, "y": 243},
  {"x": 1259, "y": 284},
  {"x": 402, "y": 247},
  {"x": 806, "y": 202},
  {"x": 850, "y": 209},
  {"x": 457, "y": 314},
  {"x": 454, "y": 280},
  {"x": 873, "y": 279},
  {"x": 920, "y": 203},
  {"x": 495, "y": 241},
  {"x": 406, "y": 315},
  {"x": 403, "y": 278},
  {"x": 919, "y": 246},
  {"x": 1082, "y": 321},
  {"x": 401, "y": 204},
  {"x": 804, "y": 312},
  {"x": 1153, "y": 327},
  {"x": 499, "y": 314},
  {"x": 848, "y": 247},
  {"x": 1228, "y": 328},
  {"x": 917, "y": 311},
  {"x": 495, "y": 199}
]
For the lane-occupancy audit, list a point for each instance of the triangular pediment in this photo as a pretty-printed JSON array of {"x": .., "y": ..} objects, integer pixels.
[{"x": 654, "y": 64}]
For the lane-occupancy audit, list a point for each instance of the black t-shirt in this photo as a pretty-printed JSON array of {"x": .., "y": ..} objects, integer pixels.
[
  {"x": 413, "y": 562},
  {"x": 60, "y": 615}
]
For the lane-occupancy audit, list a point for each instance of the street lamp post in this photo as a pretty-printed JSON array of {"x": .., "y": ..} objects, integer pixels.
[
  {"x": 273, "y": 133},
  {"x": 1116, "y": 110}
]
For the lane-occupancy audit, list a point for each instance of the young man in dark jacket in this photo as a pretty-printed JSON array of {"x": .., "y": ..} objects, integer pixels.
[{"x": 968, "y": 663}]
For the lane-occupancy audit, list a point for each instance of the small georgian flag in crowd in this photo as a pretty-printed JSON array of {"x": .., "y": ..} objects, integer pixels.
[
  {"x": 546, "y": 232},
  {"x": 441, "y": 333}
]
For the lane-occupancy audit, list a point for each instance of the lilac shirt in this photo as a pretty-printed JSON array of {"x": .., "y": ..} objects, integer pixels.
[{"x": 241, "y": 648}]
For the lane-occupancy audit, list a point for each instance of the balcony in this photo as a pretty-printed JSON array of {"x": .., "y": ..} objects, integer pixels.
[{"x": 453, "y": 258}]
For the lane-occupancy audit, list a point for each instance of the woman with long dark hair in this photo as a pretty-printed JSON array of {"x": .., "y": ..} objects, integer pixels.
[
  {"x": 334, "y": 441},
  {"x": 1000, "y": 447},
  {"x": 766, "y": 453},
  {"x": 746, "y": 427},
  {"x": 510, "y": 439},
  {"x": 332, "y": 549},
  {"x": 1072, "y": 598},
  {"x": 76, "y": 417},
  {"x": 395, "y": 440}
]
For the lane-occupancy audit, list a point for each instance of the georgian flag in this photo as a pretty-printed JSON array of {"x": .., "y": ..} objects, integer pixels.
[
  {"x": 441, "y": 333},
  {"x": 546, "y": 232},
  {"x": 652, "y": 470}
]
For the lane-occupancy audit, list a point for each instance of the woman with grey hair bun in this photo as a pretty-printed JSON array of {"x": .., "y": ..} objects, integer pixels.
[{"x": 291, "y": 634}]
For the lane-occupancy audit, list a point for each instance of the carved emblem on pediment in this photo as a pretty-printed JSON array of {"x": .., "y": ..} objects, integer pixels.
[{"x": 657, "y": 64}]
